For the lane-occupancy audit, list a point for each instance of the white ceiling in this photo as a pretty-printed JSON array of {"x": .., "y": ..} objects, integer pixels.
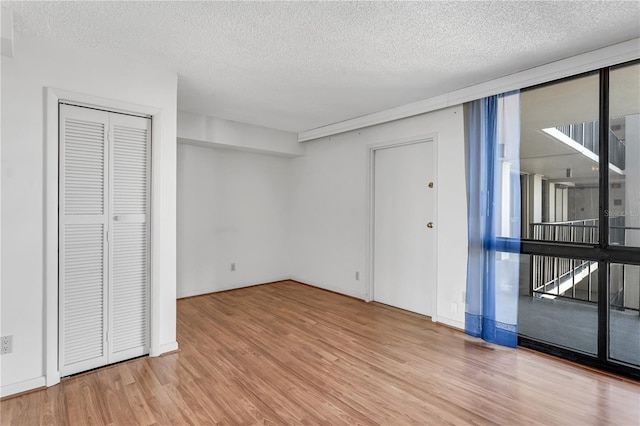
[
  {"x": 571, "y": 102},
  {"x": 300, "y": 65}
]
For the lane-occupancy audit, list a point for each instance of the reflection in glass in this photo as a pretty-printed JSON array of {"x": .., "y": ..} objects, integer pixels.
[
  {"x": 559, "y": 154},
  {"x": 624, "y": 156},
  {"x": 624, "y": 318}
]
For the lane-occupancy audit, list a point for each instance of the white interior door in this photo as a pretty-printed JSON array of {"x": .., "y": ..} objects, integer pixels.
[
  {"x": 404, "y": 245},
  {"x": 103, "y": 237}
]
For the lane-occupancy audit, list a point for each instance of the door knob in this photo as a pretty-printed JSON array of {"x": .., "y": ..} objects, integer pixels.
[
  {"x": 430, "y": 225},
  {"x": 430, "y": 184}
]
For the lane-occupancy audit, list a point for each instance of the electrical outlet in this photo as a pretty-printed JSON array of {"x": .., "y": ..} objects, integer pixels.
[
  {"x": 357, "y": 276},
  {"x": 454, "y": 308},
  {"x": 6, "y": 345},
  {"x": 233, "y": 267}
]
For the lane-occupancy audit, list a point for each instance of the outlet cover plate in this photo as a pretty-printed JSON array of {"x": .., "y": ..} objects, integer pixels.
[{"x": 6, "y": 344}]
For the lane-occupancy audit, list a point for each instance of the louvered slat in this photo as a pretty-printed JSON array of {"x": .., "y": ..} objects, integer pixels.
[
  {"x": 84, "y": 167},
  {"x": 129, "y": 281},
  {"x": 130, "y": 153},
  {"x": 84, "y": 289}
]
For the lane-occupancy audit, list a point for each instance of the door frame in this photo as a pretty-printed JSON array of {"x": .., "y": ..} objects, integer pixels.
[
  {"x": 51, "y": 259},
  {"x": 370, "y": 152}
]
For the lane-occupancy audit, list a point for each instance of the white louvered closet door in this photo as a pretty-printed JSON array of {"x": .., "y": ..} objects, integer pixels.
[
  {"x": 129, "y": 242},
  {"x": 83, "y": 229},
  {"x": 103, "y": 237}
]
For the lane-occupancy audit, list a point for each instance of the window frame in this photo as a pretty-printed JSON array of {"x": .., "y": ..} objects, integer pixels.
[{"x": 602, "y": 251}]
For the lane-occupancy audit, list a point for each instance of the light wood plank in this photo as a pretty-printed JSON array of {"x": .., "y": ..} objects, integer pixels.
[{"x": 287, "y": 353}]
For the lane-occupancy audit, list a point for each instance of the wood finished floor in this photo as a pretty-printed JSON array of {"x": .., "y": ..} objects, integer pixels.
[{"x": 287, "y": 353}]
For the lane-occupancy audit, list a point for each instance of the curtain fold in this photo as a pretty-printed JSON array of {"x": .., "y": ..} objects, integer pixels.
[{"x": 493, "y": 200}]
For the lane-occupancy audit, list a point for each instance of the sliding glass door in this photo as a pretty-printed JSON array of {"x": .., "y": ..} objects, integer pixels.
[{"x": 580, "y": 180}]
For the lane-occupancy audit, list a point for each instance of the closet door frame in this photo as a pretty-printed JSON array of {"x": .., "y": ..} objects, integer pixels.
[{"x": 52, "y": 98}]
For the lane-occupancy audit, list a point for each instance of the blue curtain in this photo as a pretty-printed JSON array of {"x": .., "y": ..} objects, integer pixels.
[{"x": 493, "y": 200}]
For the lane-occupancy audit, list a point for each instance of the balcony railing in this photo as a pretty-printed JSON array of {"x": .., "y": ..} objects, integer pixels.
[
  {"x": 561, "y": 277},
  {"x": 575, "y": 231},
  {"x": 553, "y": 277}
]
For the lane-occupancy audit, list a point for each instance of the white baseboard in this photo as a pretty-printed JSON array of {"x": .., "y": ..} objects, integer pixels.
[
  {"x": 207, "y": 290},
  {"x": 168, "y": 347},
  {"x": 197, "y": 292},
  {"x": 163, "y": 349},
  {"x": 27, "y": 385},
  {"x": 53, "y": 378},
  {"x": 450, "y": 322},
  {"x": 356, "y": 294}
]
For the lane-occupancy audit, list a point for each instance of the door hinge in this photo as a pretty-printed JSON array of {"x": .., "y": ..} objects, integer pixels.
[
  {"x": 107, "y": 336},
  {"x": 107, "y": 235}
]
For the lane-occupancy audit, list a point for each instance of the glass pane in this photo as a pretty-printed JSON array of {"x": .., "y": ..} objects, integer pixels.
[
  {"x": 624, "y": 156},
  {"x": 624, "y": 303},
  {"x": 507, "y": 169},
  {"x": 559, "y": 161},
  {"x": 558, "y": 302}
]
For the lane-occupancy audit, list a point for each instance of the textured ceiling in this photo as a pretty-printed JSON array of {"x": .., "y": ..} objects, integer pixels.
[{"x": 300, "y": 65}]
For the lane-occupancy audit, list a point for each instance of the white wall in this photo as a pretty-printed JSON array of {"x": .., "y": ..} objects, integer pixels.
[
  {"x": 306, "y": 217},
  {"x": 36, "y": 65},
  {"x": 7, "y": 32},
  {"x": 233, "y": 207},
  {"x": 329, "y": 228}
]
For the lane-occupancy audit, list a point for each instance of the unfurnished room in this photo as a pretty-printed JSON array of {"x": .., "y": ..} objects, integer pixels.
[{"x": 320, "y": 212}]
